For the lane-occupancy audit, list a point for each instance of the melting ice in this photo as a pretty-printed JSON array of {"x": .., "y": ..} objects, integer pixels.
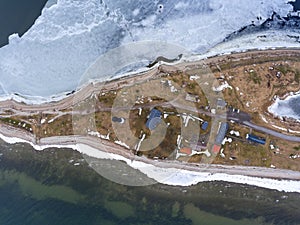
[{"x": 69, "y": 35}]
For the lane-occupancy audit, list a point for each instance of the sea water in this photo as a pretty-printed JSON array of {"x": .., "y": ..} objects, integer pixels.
[
  {"x": 17, "y": 17},
  {"x": 56, "y": 186}
]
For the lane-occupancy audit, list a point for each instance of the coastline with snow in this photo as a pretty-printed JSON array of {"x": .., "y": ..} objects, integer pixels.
[
  {"x": 172, "y": 173},
  {"x": 214, "y": 52},
  {"x": 57, "y": 36}
]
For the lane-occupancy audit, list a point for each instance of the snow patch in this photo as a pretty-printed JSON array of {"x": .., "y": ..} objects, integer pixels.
[
  {"x": 222, "y": 87},
  {"x": 236, "y": 133},
  {"x": 229, "y": 140},
  {"x": 122, "y": 144}
]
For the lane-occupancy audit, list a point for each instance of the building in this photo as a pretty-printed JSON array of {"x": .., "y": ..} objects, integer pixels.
[
  {"x": 154, "y": 119},
  {"x": 216, "y": 149},
  {"x": 204, "y": 125},
  {"x": 222, "y": 133},
  {"x": 186, "y": 151},
  {"x": 256, "y": 139},
  {"x": 118, "y": 120},
  {"x": 198, "y": 143},
  {"x": 199, "y": 146},
  {"x": 221, "y": 104}
]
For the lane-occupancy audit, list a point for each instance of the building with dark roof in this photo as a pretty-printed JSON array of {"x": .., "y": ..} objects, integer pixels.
[
  {"x": 118, "y": 120},
  {"x": 256, "y": 139},
  {"x": 204, "y": 125},
  {"x": 221, "y": 133},
  {"x": 154, "y": 119}
]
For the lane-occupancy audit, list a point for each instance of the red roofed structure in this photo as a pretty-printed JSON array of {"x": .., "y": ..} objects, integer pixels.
[
  {"x": 187, "y": 151},
  {"x": 216, "y": 149}
]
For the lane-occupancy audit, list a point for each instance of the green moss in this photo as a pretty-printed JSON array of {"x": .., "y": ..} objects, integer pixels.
[
  {"x": 15, "y": 123},
  {"x": 254, "y": 77},
  {"x": 297, "y": 148}
]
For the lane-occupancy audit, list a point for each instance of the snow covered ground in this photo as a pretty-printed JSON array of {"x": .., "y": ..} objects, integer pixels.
[{"x": 71, "y": 34}]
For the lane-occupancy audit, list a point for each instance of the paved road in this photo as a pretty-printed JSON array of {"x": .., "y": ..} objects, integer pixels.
[
  {"x": 238, "y": 117},
  {"x": 272, "y": 132},
  {"x": 245, "y": 119}
]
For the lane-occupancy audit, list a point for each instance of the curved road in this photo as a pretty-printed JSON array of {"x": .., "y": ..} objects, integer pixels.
[{"x": 244, "y": 118}]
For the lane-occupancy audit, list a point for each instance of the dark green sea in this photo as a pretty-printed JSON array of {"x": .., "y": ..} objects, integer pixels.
[
  {"x": 45, "y": 187},
  {"x": 17, "y": 16}
]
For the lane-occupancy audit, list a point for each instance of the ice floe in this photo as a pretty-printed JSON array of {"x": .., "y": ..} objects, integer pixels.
[{"x": 71, "y": 34}]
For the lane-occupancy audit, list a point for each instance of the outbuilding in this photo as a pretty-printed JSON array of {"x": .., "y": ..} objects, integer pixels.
[
  {"x": 221, "y": 104},
  {"x": 204, "y": 125},
  {"x": 118, "y": 120},
  {"x": 256, "y": 139},
  {"x": 186, "y": 151},
  {"x": 216, "y": 149}
]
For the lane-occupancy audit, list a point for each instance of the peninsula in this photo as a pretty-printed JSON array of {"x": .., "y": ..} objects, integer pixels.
[{"x": 193, "y": 113}]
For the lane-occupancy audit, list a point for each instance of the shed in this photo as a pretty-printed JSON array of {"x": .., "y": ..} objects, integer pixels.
[
  {"x": 216, "y": 149},
  {"x": 117, "y": 119},
  {"x": 154, "y": 119},
  {"x": 256, "y": 139},
  {"x": 192, "y": 98},
  {"x": 222, "y": 132},
  {"x": 185, "y": 150},
  {"x": 204, "y": 125}
]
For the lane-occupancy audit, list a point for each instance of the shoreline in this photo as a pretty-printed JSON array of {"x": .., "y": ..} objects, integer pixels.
[
  {"x": 164, "y": 172},
  {"x": 282, "y": 180},
  {"x": 188, "y": 60}
]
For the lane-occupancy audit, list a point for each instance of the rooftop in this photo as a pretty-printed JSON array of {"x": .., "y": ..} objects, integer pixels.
[
  {"x": 154, "y": 119},
  {"x": 222, "y": 132},
  {"x": 221, "y": 103},
  {"x": 186, "y": 151},
  {"x": 204, "y": 125}
]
